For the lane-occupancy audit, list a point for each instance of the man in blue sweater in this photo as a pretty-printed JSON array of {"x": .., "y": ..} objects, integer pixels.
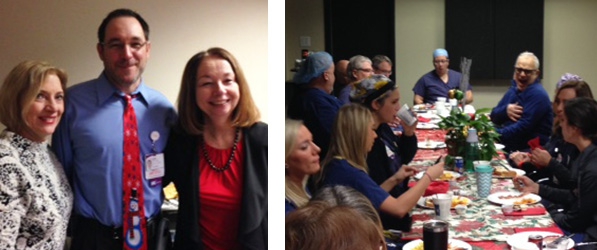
[{"x": 525, "y": 112}]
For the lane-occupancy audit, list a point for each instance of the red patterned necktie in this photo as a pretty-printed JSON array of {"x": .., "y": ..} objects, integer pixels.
[{"x": 133, "y": 223}]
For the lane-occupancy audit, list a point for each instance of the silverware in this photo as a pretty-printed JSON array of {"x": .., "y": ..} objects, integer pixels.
[
  {"x": 558, "y": 240},
  {"x": 585, "y": 244}
]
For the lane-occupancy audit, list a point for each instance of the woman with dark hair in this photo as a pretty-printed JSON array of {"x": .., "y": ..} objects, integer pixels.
[
  {"x": 579, "y": 127},
  {"x": 217, "y": 157},
  {"x": 553, "y": 161},
  {"x": 389, "y": 152}
]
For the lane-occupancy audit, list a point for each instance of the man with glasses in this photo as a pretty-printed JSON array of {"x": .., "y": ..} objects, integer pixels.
[
  {"x": 382, "y": 65},
  {"x": 438, "y": 82},
  {"x": 525, "y": 111},
  {"x": 109, "y": 174},
  {"x": 359, "y": 67}
]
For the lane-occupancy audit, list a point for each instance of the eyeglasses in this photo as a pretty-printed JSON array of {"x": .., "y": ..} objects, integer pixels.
[
  {"x": 384, "y": 72},
  {"x": 441, "y": 61},
  {"x": 366, "y": 70},
  {"x": 119, "y": 46},
  {"x": 526, "y": 71}
]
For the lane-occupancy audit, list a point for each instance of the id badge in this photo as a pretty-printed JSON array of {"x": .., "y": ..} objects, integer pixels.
[{"x": 154, "y": 168}]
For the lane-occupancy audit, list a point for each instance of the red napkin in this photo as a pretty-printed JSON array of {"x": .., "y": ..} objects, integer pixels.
[
  {"x": 436, "y": 187},
  {"x": 553, "y": 229},
  {"x": 535, "y": 143},
  {"x": 423, "y": 119},
  {"x": 529, "y": 211}
]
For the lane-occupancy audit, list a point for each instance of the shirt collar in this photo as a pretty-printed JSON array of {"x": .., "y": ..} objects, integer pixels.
[{"x": 105, "y": 90}]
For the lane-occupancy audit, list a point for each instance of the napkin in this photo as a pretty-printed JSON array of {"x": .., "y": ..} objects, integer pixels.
[
  {"x": 535, "y": 143},
  {"x": 553, "y": 229},
  {"x": 529, "y": 211},
  {"x": 436, "y": 187},
  {"x": 423, "y": 119}
]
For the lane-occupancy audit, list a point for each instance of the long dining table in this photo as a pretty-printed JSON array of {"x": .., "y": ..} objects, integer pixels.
[{"x": 483, "y": 225}]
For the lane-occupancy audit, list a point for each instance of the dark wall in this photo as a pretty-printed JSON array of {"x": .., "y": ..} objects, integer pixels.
[
  {"x": 356, "y": 27},
  {"x": 493, "y": 33}
]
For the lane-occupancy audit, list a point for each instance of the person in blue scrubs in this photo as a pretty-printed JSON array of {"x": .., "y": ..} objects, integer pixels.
[
  {"x": 353, "y": 136},
  {"x": 302, "y": 160},
  {"x": 439, "y": 81}
]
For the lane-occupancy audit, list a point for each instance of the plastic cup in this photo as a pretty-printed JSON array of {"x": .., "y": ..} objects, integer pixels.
[
  {"x": 481, "y": 163},
  {"x": 507, "y": 209},
  {"x": 406, "y": 115},
  {"x": 442, "y": 204},
  {"x": 460, "y": 209},
  {"x": 441, "y": 99},
  {"x": 435, "y": 235},
  {"x": 484, "y": 175}
]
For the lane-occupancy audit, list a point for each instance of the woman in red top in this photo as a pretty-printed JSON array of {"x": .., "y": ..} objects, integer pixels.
[{"x": 217, "y": 158}]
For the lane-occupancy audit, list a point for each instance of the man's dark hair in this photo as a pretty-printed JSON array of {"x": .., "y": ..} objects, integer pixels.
[{"x": 101, "y": 32}]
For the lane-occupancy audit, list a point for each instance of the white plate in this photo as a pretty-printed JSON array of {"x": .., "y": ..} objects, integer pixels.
[
  {"x": 455, "y": 175},
  {"x": 454, "y": 243},
  {"x": 426, "y": 125},
  {"x": 422, "y": 201},
  {"x": 499, "y": 146},
  {"x": 515, "y": 239},
  {"x": 431, "y": 144},
  {"x": 519, "y": 172},
  {"x": 499, "y": 198}
]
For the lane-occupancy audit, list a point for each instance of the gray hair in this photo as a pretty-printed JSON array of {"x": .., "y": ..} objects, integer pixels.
[
  {"x": 378, "y": 59},
  {"x": 356, "y": 62},
  {"x": 527, "y": 54}
]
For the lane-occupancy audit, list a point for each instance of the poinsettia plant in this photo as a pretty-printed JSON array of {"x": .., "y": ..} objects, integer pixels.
[{"x": 457, "y": 125}]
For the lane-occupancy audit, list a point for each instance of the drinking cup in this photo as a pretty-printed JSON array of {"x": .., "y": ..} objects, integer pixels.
[
  {"x": 442, "y": 204},
  {"x": 406, "y": 115},
  {"x": 435, "y": 235},
  {"x": 484, "y": 175}
]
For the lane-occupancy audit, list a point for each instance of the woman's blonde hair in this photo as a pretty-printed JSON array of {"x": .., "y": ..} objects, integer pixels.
[
  {"x": 296, "y": 194},
  {"x": 20, "y": 88},
  {"x": 349, "y": 137},
  {"x": 192, "y": 118},
  {"x": 319, "y": 226}
]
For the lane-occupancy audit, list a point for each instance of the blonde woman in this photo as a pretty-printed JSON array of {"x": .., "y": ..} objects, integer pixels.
[
  {"x": 353, "y": 135},
  {"x": 302, "y": 160},
  {"x": 36, "y": 197}
]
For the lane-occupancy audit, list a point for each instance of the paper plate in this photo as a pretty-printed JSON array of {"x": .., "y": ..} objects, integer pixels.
[
  {"x": 431, "y": 144},
  {"x": 502, "y": 198},
  {"x": 452, "y": 243},
  {"x": 443, "y": 177},
  {"x": 426, "y": 125},
  {"x": 422, "y": 202},
  {"x": 519, "y": 172},
  {"x": 516, "y": 240}
]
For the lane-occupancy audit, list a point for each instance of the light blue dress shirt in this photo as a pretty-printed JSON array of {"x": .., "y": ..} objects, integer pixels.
[{"x": 89, "y": 144}]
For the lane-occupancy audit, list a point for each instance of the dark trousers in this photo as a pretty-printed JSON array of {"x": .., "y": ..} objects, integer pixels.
[{"x": 89, "y": 234}]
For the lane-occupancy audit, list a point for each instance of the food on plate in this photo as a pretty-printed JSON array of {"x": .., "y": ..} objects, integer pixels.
[
  {"x": 519, "y": 208},
  {"x": 503, "y": 173},
  {"x": 525, "y": 201},
  {"x": 450, "y": 247},
  {"x": 456, "y": 200},
  {"x": 170, "y": 192},
  {"x": 446, "y": 176},
  {"x": 510, "y": 196}
]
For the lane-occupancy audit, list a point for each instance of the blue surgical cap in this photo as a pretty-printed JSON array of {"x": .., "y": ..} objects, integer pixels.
[
  {"x": 440, "y": 52},
  {"x": 313, "y": 67}
]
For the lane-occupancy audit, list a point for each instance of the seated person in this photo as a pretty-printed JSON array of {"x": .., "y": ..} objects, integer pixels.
[
  {"x": 553, "y": 161},
  {"x": 313, "y": 104},
  {"x": 341, "y": 77},
  {"x": 345, "y": 164},
  {"x": 579, "y": 127},
  {"x": 525, "y": 111},
  {"x": 389, "y": 152},
  {"x": 382, "y": 65},
  {"x": 349, "y": 197},
  {"x": 302, "y": 160},
  {"x": 359, "y": 67},
  {"x": 438, "y": 82},
  {"x": 321, "y": 226}
]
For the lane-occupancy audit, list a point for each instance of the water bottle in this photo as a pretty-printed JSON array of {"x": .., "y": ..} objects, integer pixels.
[{"x": 471, "y": 150}]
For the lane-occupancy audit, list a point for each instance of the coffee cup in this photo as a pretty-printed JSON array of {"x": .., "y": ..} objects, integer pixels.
[{"x": 442, "y": 204}]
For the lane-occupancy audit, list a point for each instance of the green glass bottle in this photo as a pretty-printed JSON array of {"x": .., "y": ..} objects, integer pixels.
[{"x": 471, "y": 150}]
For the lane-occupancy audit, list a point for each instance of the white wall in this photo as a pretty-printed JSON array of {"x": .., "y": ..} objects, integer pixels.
[
  {"x": 65, "y": 34},
  {"x": 569, "y": 38}
]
